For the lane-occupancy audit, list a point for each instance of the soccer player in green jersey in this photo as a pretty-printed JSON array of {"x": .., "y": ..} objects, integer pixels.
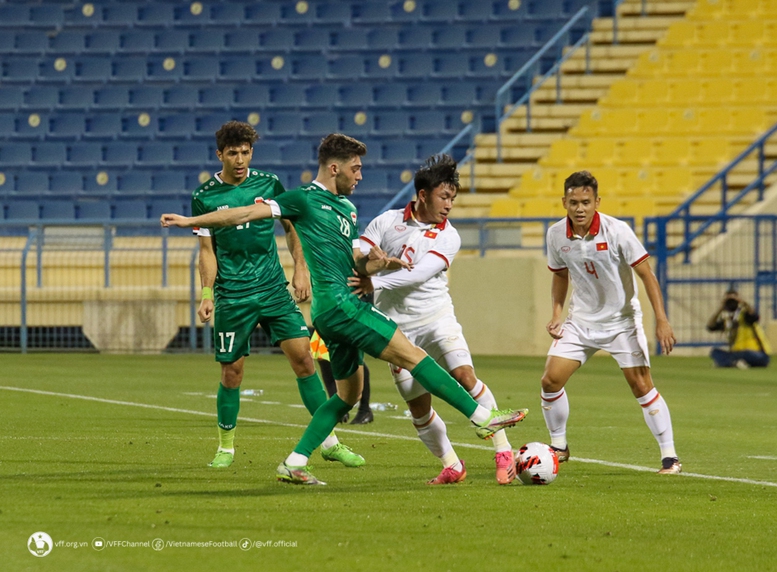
[
  {"x": 240, "y": 265},
  {"x": 326, "y": 223}
]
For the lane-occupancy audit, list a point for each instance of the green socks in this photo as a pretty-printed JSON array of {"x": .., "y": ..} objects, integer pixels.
[
  {"x": 324, "y": 420},
  {"x": 312, "y": 392},
  {"x": 439, "y": 383},
  {"x": 227, "y": 405}
]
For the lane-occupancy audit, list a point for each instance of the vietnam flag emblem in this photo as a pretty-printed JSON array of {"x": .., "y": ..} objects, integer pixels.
[
  {"x": 430, "y": 234},
  {"x": 601, "y": 246}
]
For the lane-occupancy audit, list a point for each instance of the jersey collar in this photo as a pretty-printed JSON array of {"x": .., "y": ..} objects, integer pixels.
[
  {"x": 217, "y": 176},
  {"x": 408, "y": 215},
  {"x": 596, "y": 225}
]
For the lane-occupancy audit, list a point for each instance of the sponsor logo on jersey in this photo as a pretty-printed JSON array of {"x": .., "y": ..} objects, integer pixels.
[
  {"x": 326, "y": 207},
  {"x": 400, "y": 228},
  {"x": 222, "y": 207},
  {"x": 353, "y": 217},
  {"x": 565, "y": 249},
  {"x": 601, "y": 246}
]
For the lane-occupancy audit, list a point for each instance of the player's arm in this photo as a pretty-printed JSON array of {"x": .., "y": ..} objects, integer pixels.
[
  {"x": 224, "y": 217},
  {"x": 375, "y": 261},
  {"x": 300, "y": 281},
  {"x": 664, "y": 332},
  {"x": 427, "y": 267},
  {"x": 208, "y": 267},
  {"x": 558, "y": 295}
]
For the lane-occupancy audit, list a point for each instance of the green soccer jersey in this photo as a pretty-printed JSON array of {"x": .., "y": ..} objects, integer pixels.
[
  {"x": 326, "y": 225},
  {"x": 246, "y": 254}
]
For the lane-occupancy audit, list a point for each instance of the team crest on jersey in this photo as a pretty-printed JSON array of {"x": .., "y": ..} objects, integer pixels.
[
  {"x": 353, "y": 217},
  {"x": 601, "y": 246},
  {"x": 258, "y": 200},
  {"x": 400, "y": 228},
  {"x": 565, "y": 249}
]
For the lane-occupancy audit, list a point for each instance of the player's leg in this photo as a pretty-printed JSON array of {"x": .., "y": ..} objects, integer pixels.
[
  {"x": 555, "y": 404},
  {"x": 430, "y": 427},
  {"x": 364, "y": 413},
  {"x": 630, "y": 350}
]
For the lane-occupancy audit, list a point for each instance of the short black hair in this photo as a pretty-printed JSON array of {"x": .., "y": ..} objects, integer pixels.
[
  {"x": 437, "y": 170},
  {"x": 234, "y": 134},
  {"x": 340, "y": 148},
  {"x": 581, "y": 179}
]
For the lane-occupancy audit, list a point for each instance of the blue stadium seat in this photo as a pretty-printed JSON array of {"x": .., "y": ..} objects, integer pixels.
[
  {"x": 146, "y": 97},
  {"x": 428, "y": 123},
  {"x": 440, "y": 11},
  {"x": 321, "y": 123},
  {"x": 219, "y": 96},
  {"x": 321, "y": 95},
  {"x": 48, "y": 154},
  {"x": 128, "y": 69},
  {"x": 131, "y": 127},
  {"x": 262, "y": 13},
  {"x": 75, "y": 97},
  {"x": 242, "y": 40},
  {"x": 172, "y": 41},
  {"x": 182, "y": 15},
  {"x": 7, "y": 123},
  {"x": 483, "y": 35},
  {"x": 169, "y": 182},
  {"x": 472, "y": 66},
  {"x": 459, "y": 93},
  {"x": 476, "y": 11},
  {"x": 389, "y": 95},
  {"x": 423, "y": 94},
  {"x": 375, "y": 180},
  {"x": 333, "y": 13},
  {"x": 54, "y": 209},
  {"x": 308, "y": 67},
  {"x": 415, "y": 38},
  {"x": 227, "y": 13},
  {"x": 206, "y": 40},
  {"x": 504, "y": 11},
  {"x": 32, "y": 183},
  {"x": 134, "y": 182},
  {"x": 17, "y": 154},
  {"x": 347, "y": 122},
  {"x": 180, "y": 125},
  {"x": 14, "y": 16},
  {"x": 84, "y": 154},
  {"x": 355, "y": 95},
  {"x": 451, "y": 37},
  {"x": 180, "y": 97},
  {"x": 124, "y": 209},
  {"x": 350, "y": 39},
  {"x": 22, "y": 210},
  {"x": 191, "y": 154},
  {"x": 155, "y": 14},
  {"x": 290, "y": 15},
  {"x": 398, "y": 152},
  {"x": 95, "y": 185},
  {"x": 119, "y": 14},
  {"x": 49, "y": 70},
  {"x": 287, "y": 95},
  {"x": 452, "y": 66},
  {"x": 277, "y": 39},
  {"x": 302, "y": 153},
  {"x": 265, "y": 71},
  {"x": 66, "y": 182},
  {"x": 7, "y": 41},
  {"x": 36, "y": 42},
  {"x": 46, "y": 16},
  {"x": 93, "y": 209},
  {"x": 102, "y": 42},
  {"x": 159, "y": 206},
  {"x": 371, "y": 13},
  {"x": 157, "y": 70},
  {"x": 155, "y": 154},
  {"x": 136, "y": 41},
  {"x": 345, "y": 67},
  {"x": 383, "y": 38},
  {"x": 417, "y": 65},
  {"x": 207, "y": 125},
  {"x": 120, "y": 153},
  {"x": 522, "y": 34},
  {"x": 251, "y": 96},
  {"x": 286, "y": 124},
  {"x": 267, "y": 153},
  {"x": 25, "y": 128},
  {"x": 11, "y": 98},
  {"x": 18, "y": 69},
  {"x": 428, "y": 146},
  {"x": 111, "y": 97},
  {"x": 400, "y": 14},
  {"x": 547, "y": 9},
  {"x": 200, "y": 69},
  {"x": 389, "y": 123},
  {"x": 68, "y": 126},
  {"x": 312, "y": 39}
]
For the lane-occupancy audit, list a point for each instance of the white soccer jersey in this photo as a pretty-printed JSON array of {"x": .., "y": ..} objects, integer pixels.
[
  {"x": 431, "y": 248},
  {"x": 600, "y": 269}
]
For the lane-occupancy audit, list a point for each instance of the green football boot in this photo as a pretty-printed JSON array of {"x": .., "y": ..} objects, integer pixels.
[
  {"x": 343, "y": 454},
  {"x": 222, "y": 460},
  {"x": 500, "y": 419}
]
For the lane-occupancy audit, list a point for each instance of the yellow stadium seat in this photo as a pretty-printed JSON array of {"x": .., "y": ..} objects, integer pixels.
[
  {"x": 619, "y": 121},
  {"x": 747, "y": 8},
  {"x": 747, "y": 33},
  {"x": 651, "y": 63},
  {"x": 750, "y": 62},
  {"x": 636, "y": 152},
  {"x": 714, "y": 120},
  {"x": 684, "y": 91},
  {"x": 716, "y": 91},
  {"x": 716, "y": 62},
  {"x": 536, "y": 182},
  {"x": 770, "y": 30},
  {"x": 506, "y": 207},
  {"x": 622, "y": 92},
  {"x": 750, "y": 120},
  {"x": 636, "y": 207},
  {"x": 652, "y": 92},
  {"x": 707, "y": 9},
  {"x": 672, "y": 152},
  {"x": 542, "y": 207},
  {"x": 608, "y": 179},
  {"x": 710, "y": 152},
  {"x": 599, "y": 152},
  {"x": 562, "y": 153},
  {"x": 713, "y": 33},
  {"x": 770, "y": 62},
  {"x": 682, "y": 63},
  {"x": 637, "y": 183},
  {"x": 652, "y": 121},
  {"x": 676, "y": 181},
  {"x": 683, "y": 120},
  {"x": 590, "y": 123},
  {"x": 680, "y": 34},
  {"x": 753, "y": 90}
]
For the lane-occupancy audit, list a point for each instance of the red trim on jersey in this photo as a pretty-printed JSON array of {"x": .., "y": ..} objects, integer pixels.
[
  {"x": 651, "y": 401},
  {"x": 641, "y": 260},
  {"x": 447, "y": 262},
  {"x": 559, "y": 396},
  {"x": 593, "y": 230},
  {"x": 556, "y": 269},
  {"x": 408, "y": 214},
  {"x": 365, "y": 239}
]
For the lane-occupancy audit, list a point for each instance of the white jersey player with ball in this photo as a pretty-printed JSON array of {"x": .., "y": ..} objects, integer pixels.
[
  {"x": 600, "y": 255},
  {"x": 419, "y": 302}
]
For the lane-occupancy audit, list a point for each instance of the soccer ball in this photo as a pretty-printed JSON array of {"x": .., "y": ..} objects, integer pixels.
[{"x": 537, "y": 464}]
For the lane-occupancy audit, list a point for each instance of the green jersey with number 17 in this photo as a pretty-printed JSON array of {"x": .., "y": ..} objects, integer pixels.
[
  {"x": 246, "y": 254},
  {"x": 326, "y": 225}
]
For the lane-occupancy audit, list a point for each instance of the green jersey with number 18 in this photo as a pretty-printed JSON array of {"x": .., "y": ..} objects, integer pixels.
[
  {"x": 246, "y": 254},
  {"x": 326, "y": 225}
]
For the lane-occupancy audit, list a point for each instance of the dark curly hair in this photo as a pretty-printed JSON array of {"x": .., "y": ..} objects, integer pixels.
[
  {"x": 340, "y": 148},
  {"x": 581, "y": 179},
  {"x": 437, "y": 170},
  {"x": 234, "y": 134}
]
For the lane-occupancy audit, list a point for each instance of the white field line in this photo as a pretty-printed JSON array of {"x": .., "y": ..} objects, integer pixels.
[{"x": 372, "y": 434}]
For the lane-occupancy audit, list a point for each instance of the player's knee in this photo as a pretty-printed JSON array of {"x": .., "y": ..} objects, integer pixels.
[{"x": 550, "y": 384}]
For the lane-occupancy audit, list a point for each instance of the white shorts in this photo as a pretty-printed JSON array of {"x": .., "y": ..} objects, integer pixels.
[
  {"x": 628, "y": 345},
  {"x": 444, "y": 341}
]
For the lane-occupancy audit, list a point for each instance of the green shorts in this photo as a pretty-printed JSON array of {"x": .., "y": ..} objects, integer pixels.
[
  {"x": 349, "y": 330},
  {"x": 237, "y": 318}
]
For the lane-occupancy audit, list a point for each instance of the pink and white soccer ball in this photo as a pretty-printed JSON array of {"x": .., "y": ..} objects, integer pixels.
[{"x": 537, "y": 464}]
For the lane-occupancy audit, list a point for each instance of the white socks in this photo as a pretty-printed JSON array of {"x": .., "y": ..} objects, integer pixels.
[
  {"x": 555, "y": 409},
  {"x": 433, "y": 433},
  {"x": 657, "y": 417},
  {"x": 296, "y": 460},
  {"x": 330, "y": 441},
  {"x": 482, "y": 394}
]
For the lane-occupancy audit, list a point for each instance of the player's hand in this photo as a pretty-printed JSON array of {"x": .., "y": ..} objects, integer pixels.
[
  {"x": 206, "y": 310},
  {"x": 392, "y": 263},
  {"x": 376, "y": 253},
  {"x": 665, "y": 337},
  {"x": 301, "y": 284},
  {"x": 554, "y": 328},
  {"x": 167, "y": 220},
  {"x": 360, "y": 284}
]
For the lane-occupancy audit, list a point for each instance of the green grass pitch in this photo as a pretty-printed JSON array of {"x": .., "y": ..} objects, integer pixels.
[{"x": 116, "y": 447}]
